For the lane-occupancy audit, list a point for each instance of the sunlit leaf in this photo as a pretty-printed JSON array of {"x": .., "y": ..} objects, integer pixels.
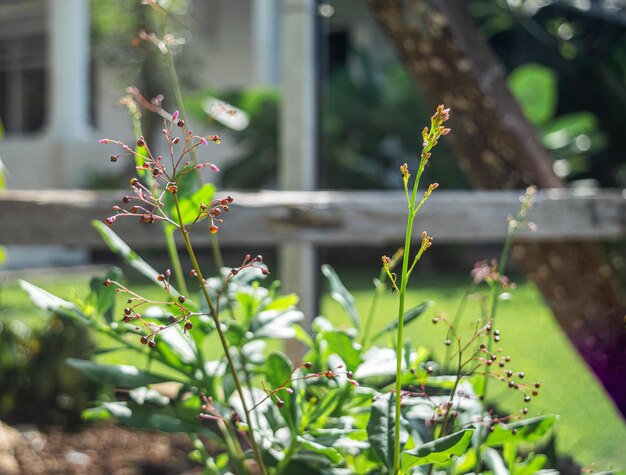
[
  {"x": 442, "y": 449},
  {"x": 341, "y": 295},
  {"x": 119, "y": 247},
  {"x": 527, "y": 430}
]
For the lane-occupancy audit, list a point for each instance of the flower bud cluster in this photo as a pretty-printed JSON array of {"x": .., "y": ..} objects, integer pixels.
[{"x": 132, "y": 312}]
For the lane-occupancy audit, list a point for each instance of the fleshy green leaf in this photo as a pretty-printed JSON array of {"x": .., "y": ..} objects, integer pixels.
[
  {"x": 531, "y": 466},
  {"x": 331, "y": 453},
  {"x": 527, "y": 430},
  {"x": 341, "y": 344},
  {"x": 341, "y": 295},
  {"x": 495, "y": 462},
  {"x": 105, "y": 296},
  {"x": 381, "y": 429},
  {"x": 52, "y": 303},
  {"x": 442, "y": 449},
  {"x": 279, "y": 370},
  {"x": 119, "y": 247},
  {"x": 189, "y": 205},
  {"x": 409, "y": 316},
  {"x": 124, "y": 376}
]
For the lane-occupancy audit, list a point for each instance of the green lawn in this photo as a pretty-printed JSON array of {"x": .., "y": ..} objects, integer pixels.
[{"x": 590, "y": 428}]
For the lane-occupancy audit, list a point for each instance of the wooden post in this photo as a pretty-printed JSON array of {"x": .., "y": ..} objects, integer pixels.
[
  {"x": 69, "y": 68},
  {"x": 298, "y": 142}
]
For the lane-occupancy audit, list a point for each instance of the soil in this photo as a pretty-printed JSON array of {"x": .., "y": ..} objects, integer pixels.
[{"x": 95, "y": 450}]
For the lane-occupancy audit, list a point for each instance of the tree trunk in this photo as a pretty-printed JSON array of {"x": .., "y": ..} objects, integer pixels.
[{"x": 497, "y": 147}]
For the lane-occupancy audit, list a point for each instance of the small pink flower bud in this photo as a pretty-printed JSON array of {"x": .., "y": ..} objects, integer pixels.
[
  {"x": 289, "y": 391},
  {"x": 203, "y": 141},
  {"x": 110, "y": 220},
  {"x": 103, "y": 141},
  {"x": 175, "y": 116},
  {"x": 214, "y": 167}
]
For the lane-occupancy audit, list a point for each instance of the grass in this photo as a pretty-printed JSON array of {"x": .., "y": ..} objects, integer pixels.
[{"x": 590, "y": 428}]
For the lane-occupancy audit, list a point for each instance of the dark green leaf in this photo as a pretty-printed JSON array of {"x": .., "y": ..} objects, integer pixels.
[
  {"x": 527, "y": 430},
  {"x": 442, "y": 449},
  {"x": 381, "y": 429},
  {"x": 341, "y": 295},
  {"x": 409, "y": 316},
  {"x": 124, "y": 376}
]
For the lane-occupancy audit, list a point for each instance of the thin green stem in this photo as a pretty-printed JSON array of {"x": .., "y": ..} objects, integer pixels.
[
  {"x": 401, "y": 305},
  {"x": 495, "y": 294},
  {"x": 372, "y": 310}
]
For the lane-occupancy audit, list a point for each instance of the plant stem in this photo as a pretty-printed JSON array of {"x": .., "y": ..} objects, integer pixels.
[
  {"x": 220, "y": 332},
  {"x": 372, "y": 310},
  {"x": 402, "y": 298},
  {"x": 168, "y": 231}
]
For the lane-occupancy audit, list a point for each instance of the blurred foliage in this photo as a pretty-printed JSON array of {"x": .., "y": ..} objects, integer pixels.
[
  {"x": 256, "y": 164},
  {"x": 585, "y": 49},
  {"x": 572, "y": 138},
  {"x": 368, "y": 130},
  {"x": 36, "y": 386}
]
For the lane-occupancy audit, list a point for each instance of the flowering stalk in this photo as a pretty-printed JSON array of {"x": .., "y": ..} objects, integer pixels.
[
  {"x": 500, "y": 280},
  {"x": 430, "y": 137},
  {"x": 149, "y": 205}
]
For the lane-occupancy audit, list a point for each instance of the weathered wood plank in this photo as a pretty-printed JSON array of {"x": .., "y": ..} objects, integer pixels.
[{"x": 325, "y": 218}]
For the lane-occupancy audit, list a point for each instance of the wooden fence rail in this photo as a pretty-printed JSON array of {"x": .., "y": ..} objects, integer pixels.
[{"x": 324, "y": 218}]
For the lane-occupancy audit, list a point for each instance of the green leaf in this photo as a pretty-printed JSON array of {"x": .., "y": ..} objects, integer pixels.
[
  {"x": 442, "y": 449},
  {"x": 284, "y": 302},
  {"x": 181, "y": 345},
  {"x": 275, "y": 324},
  {"x": 341, "y": 344},
  {"x": 124, "y": 376},
  {"x": 534, "y": 86},
  {"x": 119, "y": 247},
  {"x": 52, "y": 303},
  {"x": 331, "y": 453},
  {"x": 3, "y": 250},
  {"x": 140, "y": 158},
  {"x": 381, "y": 429},
  {"x": 278, "y": 371},
  {"x": 190, "y": 205},
  {"x": 341, "y": 295},
  {"x": 531, "y": 466},
  {"x": 143, "y": 417},
  {"x": 494, "y": 461},
  {"x": 409, "y": 316},
  {"x": 527, "y": 430},
  {"x": 105, "y": 295}
]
